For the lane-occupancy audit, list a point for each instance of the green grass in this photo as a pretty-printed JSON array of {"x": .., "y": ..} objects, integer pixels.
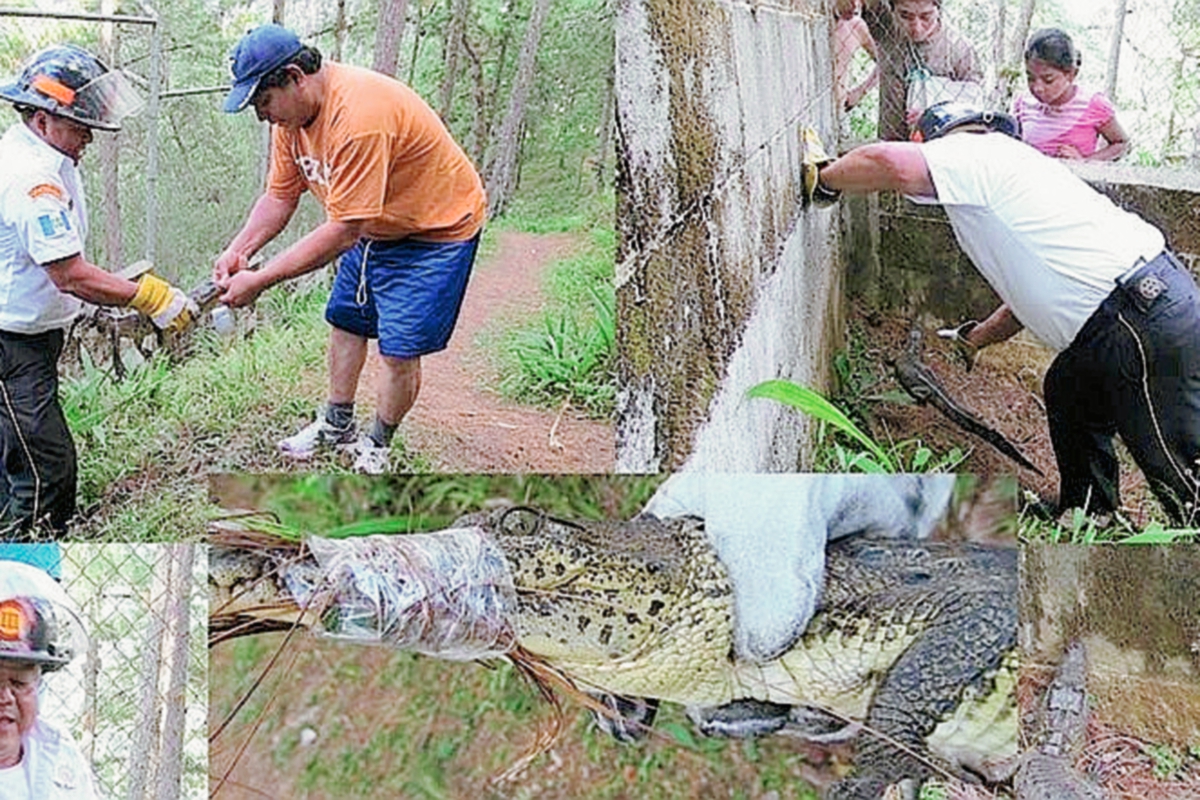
[
  {"x": 146, "y": 443},
  {"x": 410, "y": 726},
  {"x": 1081, "y": 528},
  {"x": 340, "y": 504},
  {"x": 567, "y": 354}
]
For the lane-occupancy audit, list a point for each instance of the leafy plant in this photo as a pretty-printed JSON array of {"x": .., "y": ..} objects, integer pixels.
[
  {"x": 568, "y": 355},
  {"x": 813, "y": 404},
  {"x": 906, "y": 456}
]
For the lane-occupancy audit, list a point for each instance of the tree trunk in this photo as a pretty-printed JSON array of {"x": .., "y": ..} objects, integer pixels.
[
  {"x": 459, "y": 10},
  {"x": 339, "y": 31},
  {"x": 142, "y": 761},
  {"x": 493, "y": 96},
  {"x": 278, "y": 7},
  {"x": 1114, "y": 52},
  {"x": 479, "y": 114},
  {"x": 502, "y": 174},
  {"x": 604, "y": 145},
  {"x": 91, "y": 673},
  {"x": 1014, "y": 67},
  {"x": 418, "y": 40},
  {"x": 1021, "y": 32},
  {"x": 170, "y": 774},
  {"x": 110, "y": 151},
  {"x": 998, "y": 47},
  {"x": 388, "y": 31}
]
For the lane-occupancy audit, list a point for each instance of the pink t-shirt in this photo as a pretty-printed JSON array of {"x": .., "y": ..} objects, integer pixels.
[{"x": 1076, "y": 122}]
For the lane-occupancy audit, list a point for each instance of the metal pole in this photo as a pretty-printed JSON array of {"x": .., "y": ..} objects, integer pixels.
[
  {"x": 152, "y": 106},
  {"x": 24, "y": 12},
  {"x": 194, "y": 90}
]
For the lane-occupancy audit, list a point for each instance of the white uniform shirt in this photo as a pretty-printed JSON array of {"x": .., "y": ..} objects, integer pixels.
[
  {"x": 1050, "y": 245},
  {"x": 51, "y": 768},
  {"x": 42, "y": 218}
]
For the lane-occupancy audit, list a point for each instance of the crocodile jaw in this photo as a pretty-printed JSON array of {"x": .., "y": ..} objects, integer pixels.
[{"x": 838, "y": 671}]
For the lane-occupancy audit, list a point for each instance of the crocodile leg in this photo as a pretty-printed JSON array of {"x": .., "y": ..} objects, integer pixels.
[
  {"x": 964, "y": 647},
  {"x": 741, "y": 719},
  {"x": 630, "y": 719}
]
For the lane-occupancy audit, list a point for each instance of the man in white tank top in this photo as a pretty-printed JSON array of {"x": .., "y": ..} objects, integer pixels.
[{"x": 1089, "y": 279}]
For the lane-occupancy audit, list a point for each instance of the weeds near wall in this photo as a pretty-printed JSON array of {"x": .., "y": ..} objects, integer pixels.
[
  {"x": 863, "y": 454},
  {"x": 1081, "y": 528}
]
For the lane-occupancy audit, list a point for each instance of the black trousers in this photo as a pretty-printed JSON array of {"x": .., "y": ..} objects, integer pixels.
[
  {"x": 1133, "y": 370},
  {"x": 38, "y": 467}
]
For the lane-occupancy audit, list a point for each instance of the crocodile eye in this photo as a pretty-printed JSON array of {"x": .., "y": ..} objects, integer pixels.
[
  {"x": 521, "y": 521},
  {"x": 916, "y": 578}
]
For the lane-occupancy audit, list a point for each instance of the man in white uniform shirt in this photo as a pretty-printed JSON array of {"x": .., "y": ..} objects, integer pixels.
[
  {"x": 62, "y": 94},
  {"x": 1089, "y": 279},
  {"x": 38, "y": 760}
]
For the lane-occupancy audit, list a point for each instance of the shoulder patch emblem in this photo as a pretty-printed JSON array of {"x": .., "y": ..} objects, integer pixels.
[
  {"x": 54, "y": 225},
  {"x": 43, "y": 189}
]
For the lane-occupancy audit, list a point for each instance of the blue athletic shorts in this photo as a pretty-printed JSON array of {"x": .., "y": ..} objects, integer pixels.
[{"x": 406, "y": 294}]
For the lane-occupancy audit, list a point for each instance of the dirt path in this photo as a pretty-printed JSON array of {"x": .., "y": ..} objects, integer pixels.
[{"x": 461, "y": 425}]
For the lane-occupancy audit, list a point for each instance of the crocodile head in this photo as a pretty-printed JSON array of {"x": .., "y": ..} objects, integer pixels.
[{"x": 639, "y": 608}]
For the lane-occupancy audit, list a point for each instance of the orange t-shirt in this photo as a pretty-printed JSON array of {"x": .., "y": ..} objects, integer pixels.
[{"x": 377, "y": 153}]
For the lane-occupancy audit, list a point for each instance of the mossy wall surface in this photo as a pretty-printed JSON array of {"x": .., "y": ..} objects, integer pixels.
[{"x": 722, "y": 280}]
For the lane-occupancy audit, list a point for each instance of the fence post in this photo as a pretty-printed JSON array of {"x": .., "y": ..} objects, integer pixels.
[
  {"x": 152, "y": 108},
  {"x": 1114, "y": 51}
]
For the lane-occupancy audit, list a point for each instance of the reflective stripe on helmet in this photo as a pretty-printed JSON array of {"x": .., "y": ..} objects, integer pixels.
[{"x": 53, "y": 89}]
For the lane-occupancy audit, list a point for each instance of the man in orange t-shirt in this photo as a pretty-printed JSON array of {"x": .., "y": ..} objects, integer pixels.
[{"x": 404, "y": 207}]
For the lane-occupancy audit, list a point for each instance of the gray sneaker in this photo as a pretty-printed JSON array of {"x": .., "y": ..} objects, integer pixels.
[
  {"x": 304, "y": 445},
  {"x": 370, "y": 458}
]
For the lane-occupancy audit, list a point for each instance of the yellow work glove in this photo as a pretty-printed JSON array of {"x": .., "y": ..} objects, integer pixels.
[
  {"x": 812, "y": 158},
  {"x": 167, "y": 306}
]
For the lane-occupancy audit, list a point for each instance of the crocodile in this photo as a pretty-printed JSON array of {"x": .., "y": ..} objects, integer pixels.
[
  {"x": 915, "y": 640},
  {"x": 1047, "y": 771},
  {"x": 921, "y": 382}
]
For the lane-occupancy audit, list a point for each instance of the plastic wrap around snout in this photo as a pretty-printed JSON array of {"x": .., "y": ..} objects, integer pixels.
[{"x": 447, "y": 594}]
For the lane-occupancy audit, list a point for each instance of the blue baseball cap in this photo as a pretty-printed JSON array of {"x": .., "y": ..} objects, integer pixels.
[{"x": 261, "y": 51}]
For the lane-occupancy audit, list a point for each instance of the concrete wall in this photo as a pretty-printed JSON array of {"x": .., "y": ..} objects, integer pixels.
[
  {"x": 1135, "y": 609},
  {"x": 903, "y": 257},
  {"x": 722, "y": 282}
]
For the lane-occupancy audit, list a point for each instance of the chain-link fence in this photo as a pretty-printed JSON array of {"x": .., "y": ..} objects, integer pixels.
[
  {"x": 136, "y": 701},
  {"x": 1142, "y": 55}
]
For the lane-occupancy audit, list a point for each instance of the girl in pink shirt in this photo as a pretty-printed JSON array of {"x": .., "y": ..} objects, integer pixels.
[{"x": 1057, "y": 116}]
